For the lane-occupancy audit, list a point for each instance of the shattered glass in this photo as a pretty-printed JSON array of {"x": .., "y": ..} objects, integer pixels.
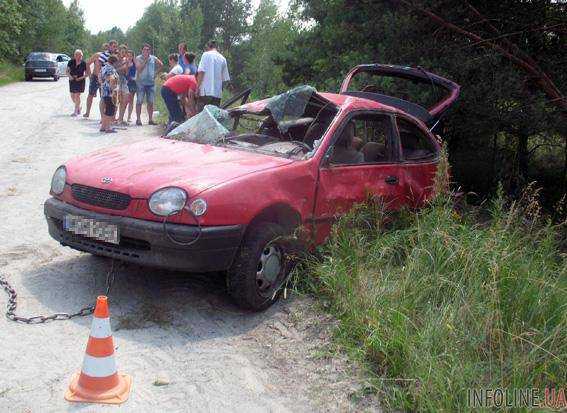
[
  {"x": 213, "y": 125},
  {"x": 209, "y": 126},
  {"x": 289, "y": 105}
]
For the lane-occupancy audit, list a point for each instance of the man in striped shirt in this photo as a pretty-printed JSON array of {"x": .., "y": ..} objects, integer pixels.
[{"x": 99, "y": 60}]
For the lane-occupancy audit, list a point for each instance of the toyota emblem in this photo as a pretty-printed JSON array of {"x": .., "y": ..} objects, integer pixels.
[{"x": 106, "y": 180}]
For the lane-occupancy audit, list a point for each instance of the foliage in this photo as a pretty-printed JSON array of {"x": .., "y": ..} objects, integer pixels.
[
  {"x": 11, "y": 22},
  {"x": 438, "y": 302},
  {"x": 97, "y": 40},
  {"x": 504, "y": 126},
  {"x": 163, "y": 25},
  {"x": 223, "y": 20},
  {"x": 48, "y": 26},
  {"x": 10, "y": 73},
  {"x": 270, "y": 36}
]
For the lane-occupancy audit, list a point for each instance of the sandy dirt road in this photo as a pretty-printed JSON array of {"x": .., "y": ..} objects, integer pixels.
[{"x": 179, "y": 329}]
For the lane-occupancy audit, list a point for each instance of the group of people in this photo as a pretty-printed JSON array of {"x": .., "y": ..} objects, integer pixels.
[{"x": 118, "y": 76}]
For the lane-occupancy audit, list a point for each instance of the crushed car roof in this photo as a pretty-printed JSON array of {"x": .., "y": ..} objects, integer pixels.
[{"x": 341, "y": 101}]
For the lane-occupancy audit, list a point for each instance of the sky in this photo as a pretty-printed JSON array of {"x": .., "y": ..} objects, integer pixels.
[{"x": 124, "y": 13}]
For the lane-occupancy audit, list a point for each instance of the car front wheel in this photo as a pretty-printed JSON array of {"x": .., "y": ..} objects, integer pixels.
[{"x": 260, "y": 267}]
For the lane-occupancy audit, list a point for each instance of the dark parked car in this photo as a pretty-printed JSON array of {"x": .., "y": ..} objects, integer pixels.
[{"x": 41, "y": 64}]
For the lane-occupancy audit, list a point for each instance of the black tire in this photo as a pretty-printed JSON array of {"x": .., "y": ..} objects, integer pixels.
[
  {"x": 28, "y": 78},
  {"x": 245, "y": 285}
]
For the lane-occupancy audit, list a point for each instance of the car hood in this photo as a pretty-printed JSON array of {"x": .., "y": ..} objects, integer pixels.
[{"x": 142, "y": 168}]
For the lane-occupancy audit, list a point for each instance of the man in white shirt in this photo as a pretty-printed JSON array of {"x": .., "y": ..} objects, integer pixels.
[{"x": 212, "y": 72}]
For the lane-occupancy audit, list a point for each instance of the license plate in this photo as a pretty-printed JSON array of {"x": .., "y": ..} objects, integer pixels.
[
  {"x": 102, "y": 231},
  {"x": 41, "y": 70}
]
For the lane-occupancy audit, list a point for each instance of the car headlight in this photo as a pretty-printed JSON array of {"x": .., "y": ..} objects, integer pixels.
[
  {"x": 58, "y": 180},
  {"x": 198, "y": 207},
  {"x": 167, "y": 201}
]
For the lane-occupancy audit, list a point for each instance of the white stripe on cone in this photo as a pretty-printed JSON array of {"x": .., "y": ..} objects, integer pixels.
[
  {"x": 100, "y": 328},
  {"x": 99, "y": 366}
]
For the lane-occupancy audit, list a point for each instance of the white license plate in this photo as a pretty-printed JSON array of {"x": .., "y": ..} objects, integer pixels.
[
  {"x": 102, "y": 231},
  {"x": 41, "y": 70}
]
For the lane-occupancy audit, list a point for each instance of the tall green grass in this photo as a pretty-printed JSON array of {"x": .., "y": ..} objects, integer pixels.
[
  {"x": 439, "y": 302},
  {"x": 10, "y": 73}
]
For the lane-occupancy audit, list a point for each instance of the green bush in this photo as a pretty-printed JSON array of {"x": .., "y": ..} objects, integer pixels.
[
  {"x": 10, "y": 73},
  {"x": 441, "y": 302}
]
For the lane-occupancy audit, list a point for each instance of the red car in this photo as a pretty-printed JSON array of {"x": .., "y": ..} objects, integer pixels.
[{"x": 221, "y": 191}]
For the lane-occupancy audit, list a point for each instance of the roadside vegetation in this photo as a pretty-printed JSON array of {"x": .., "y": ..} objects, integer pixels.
[
  {"x": 440, "y": 301},
  {"x": 10, "y": 73}
]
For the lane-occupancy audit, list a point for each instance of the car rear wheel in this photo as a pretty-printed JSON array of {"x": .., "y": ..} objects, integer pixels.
[
  {"x": 28, "y": 78},
  {"x": 260, "y": 267}
]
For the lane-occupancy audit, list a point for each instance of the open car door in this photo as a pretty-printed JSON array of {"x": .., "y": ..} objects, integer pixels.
[
  {"x": 240, "y": 99},
  {"x": 422, "y": 94}
]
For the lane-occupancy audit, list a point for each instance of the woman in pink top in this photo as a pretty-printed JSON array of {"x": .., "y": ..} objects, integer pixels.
[{"x": 183, "y": 86}]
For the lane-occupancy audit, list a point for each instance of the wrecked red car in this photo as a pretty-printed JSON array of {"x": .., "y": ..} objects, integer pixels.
[{"x": 221, "y": 191}]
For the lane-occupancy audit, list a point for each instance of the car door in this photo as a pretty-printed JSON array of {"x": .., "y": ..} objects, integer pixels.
[
  {"x": 356, "y": 168},
  {"x": 419, "y": 158}
]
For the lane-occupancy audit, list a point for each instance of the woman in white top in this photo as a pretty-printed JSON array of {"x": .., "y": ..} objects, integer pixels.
[{"x": 174, "y": 67}]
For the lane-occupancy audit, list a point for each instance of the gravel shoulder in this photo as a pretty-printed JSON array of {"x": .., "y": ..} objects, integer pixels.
[{"x": 177, "y": 330}]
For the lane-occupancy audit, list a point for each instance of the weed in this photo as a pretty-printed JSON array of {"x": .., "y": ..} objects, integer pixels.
[{"x": 435, "y": 303}]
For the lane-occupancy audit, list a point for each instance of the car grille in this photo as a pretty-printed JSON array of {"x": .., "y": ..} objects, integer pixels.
[{"x": 100, "y": 197}]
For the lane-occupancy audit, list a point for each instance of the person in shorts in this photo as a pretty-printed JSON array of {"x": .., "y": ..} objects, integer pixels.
[
  {"x": 123, "y": 90},
  {"x": 109, "y": 93},
  {"x": 147, "y": 67},
  {"x": 76, "y": 70},
  {"x": 97, "y": 60}
]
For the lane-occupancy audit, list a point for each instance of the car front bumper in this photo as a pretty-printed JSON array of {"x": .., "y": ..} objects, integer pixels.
[{"x": 145, "y": 243}]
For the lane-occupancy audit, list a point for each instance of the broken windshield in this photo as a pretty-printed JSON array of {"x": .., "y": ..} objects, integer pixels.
[{"x": 284, "y": 125}]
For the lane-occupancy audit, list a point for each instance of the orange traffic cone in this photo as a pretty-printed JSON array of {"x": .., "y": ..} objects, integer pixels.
[{"x": 99, "y": 382}]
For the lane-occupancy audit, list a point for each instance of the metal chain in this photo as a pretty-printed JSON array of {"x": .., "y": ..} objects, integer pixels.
[{"x": 40, "y": 319}]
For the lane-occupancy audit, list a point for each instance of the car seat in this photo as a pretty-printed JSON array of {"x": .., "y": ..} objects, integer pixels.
[{"x": 374, "y": 152}]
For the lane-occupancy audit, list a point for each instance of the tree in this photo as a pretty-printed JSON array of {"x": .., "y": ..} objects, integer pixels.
[
  {"x": 163, "y": 25},
  {"x": 75, "y": 34},
  {"x": 96, "y": 41},
  {"x": 269, "y": 37},
  {"x": 11, "y": 22},
  {"x": 49, "y": 26},
  {"x": 223, "y": 20},
  {"x": 506, "y": 127}
]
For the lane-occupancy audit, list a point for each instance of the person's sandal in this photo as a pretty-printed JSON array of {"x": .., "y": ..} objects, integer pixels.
[
  {"x": 138, "y": 123},
  {"x": 152, "y": 123}
]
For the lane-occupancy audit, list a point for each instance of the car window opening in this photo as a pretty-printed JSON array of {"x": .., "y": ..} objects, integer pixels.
[
  {"x": 416, "y": 145},
  {"x": 364, "y": 139},
  {"x": 287, "y": 125}
]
